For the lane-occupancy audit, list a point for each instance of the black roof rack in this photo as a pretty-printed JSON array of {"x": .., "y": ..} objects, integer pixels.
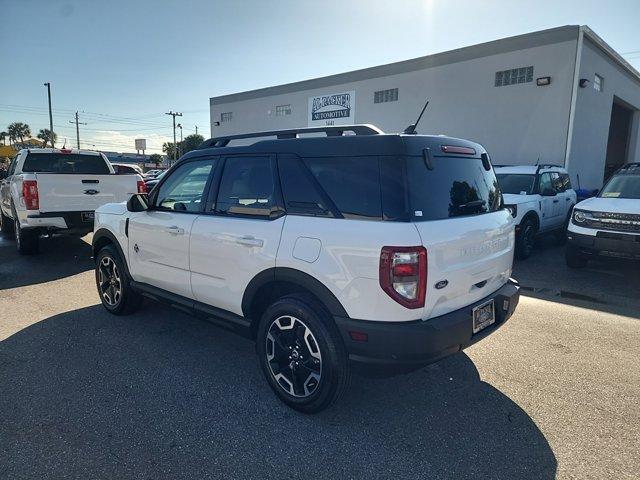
[
  {"x": 632, "y": 167},
  {"x": 547, "y": 165},
  {"x": 330, "y": 131}
]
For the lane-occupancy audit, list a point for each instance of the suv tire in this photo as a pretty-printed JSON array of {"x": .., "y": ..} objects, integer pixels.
[
  {"x": 302, "y": 354},
  {"x": 6, "y": 224},
  {"x": 112, "y": 281},
  {"x": 574, "y": 258},
  {"x": 526, "y": 238},
  {"x": 27, "y": 241}
]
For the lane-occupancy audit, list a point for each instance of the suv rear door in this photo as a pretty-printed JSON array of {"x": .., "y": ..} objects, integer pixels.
[{"x": 239, "y": 234}]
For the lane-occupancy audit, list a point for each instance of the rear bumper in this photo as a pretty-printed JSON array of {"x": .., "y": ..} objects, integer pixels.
[
  {"x": 70, "y": 222},
  {"x": 423, "y": 342},
  {"x": 606, "y": 244}
]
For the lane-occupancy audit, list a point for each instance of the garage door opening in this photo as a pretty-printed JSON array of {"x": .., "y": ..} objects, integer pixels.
[{"x": 619, "y": 134}]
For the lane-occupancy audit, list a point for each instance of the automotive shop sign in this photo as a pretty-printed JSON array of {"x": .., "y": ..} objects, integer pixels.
[{"x": 332, "y": 109}]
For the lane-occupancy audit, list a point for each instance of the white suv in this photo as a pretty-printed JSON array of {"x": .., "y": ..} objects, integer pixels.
[
  {"x": 371, "y": 249},
  {"x": 607, "y": 225},
  {"x": 542, "y": 198}
]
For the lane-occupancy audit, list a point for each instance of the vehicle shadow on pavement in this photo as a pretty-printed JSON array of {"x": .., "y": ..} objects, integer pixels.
[
  {"x": 162, "y": 395},
  {"x": 59, "y": 257}
]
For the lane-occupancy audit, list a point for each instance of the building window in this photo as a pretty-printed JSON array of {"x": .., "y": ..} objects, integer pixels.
[
  {"x": 514, "y": 76},
  {"x": 282, "y": 110},
  {"x": 598, "y": 83},
  {"x": 226, "y": 117},
  {"x": 390, "y": 95}
]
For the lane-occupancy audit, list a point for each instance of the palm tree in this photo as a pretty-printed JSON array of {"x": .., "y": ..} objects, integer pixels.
[
  {"x": 19, "y": 130},
  {"x": 45, "y": 135}
]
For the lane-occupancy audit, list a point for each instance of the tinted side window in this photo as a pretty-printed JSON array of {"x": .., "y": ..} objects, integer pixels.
[
  {"x": 352, "y": 183},
  {"x": 248, "y": 187},
  {"x": 395, "y": 199},
  {"x": 184, "y": 188},
  {"x": 301, "y": 197},
  {"x": 545, "y": 182},
  {"x": 566, "y": 181},
  {"x": 557, "y": 182}
]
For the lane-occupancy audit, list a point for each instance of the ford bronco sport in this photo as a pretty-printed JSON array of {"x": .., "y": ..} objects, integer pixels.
[{"x": 327, "y": 250}]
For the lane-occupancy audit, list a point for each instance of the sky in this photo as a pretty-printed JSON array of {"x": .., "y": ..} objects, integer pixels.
[{"x": 123, "y": 63}]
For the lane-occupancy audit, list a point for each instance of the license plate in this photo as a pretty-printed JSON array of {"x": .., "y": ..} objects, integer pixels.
[
  {"x": 87, "y": 216},
  {"x": 483, "y": 316}
]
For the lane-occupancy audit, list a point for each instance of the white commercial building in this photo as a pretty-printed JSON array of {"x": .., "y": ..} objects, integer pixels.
[{"x": 560, "y": 96}]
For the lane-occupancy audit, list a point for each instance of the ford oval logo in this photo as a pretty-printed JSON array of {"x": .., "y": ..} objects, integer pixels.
[
  {"x": 441, "y": 284},
  {"x": 91, "y": 192}
]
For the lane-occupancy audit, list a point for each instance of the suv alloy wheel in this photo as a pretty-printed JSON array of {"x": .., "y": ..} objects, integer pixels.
[
  {"x": 112, "y": 281},
  {"x": 302, "y": 354}
]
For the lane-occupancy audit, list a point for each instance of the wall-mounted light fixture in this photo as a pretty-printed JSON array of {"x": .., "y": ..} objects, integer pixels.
[
  {"x": 584, "y": 83},
  {"x": 543, "y": 81},
  {"x": 216, "y": 124}
]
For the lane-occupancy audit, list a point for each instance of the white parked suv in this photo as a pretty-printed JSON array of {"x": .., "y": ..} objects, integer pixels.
[
  {"x": 328, "y": 251},
  {"x": 50, "y": 190},
  {"x": 607, "y": 225},
  {"x": 542, "y": 197}
]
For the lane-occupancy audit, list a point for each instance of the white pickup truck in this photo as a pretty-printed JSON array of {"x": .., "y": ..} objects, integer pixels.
[{"x": 50, "y": 190}]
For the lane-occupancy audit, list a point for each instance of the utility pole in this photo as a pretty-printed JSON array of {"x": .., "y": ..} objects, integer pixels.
[
  {"x": 175, "y": 146},
  {"x": 196, "y": 129},
  {"x": 77, "y": 128},
  {"x": 48, "y": 85},
  {"x": 180, "y": 127}
]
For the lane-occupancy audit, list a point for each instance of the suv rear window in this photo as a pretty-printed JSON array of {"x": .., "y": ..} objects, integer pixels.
[
  {"x": 65, "y": 163},
  {"x": 457, "y": 186}
]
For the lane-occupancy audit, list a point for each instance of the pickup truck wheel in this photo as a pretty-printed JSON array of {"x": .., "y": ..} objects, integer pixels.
[
  {"x": 526, "y": 238},
  {"x": 6, "y": 224},
  {"x": 114, "y": 288},
  {"x": 27, "y": 241},
  {"x": 302, "y": 354},
  {"x": 574, "y": 258}
]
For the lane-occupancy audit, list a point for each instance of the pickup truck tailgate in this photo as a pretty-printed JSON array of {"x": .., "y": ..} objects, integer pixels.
[{"x": 60, "y": 192}]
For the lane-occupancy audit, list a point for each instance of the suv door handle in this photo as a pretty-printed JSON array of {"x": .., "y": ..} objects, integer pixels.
[
  {"x": 567, "y": 199},
  {"x": 556, "y": 201},
  {"x": 249, "y": 241},
  {"x": 174, "y": 230}
]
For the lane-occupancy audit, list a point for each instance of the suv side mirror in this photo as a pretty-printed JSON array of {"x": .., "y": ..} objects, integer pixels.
[
  {"x": 549, "y": 192},
  {"x": 137, "y": 203}
]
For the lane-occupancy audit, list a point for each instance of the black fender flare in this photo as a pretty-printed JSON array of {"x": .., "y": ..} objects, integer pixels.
[
  {"x": 291, "y": 275},
  {"x": 104, "y": 233},
  {"x": 531, "y": 214}
]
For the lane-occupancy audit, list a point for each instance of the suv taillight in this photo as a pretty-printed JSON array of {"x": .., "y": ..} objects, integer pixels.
[
  {"x": 403, "y": 274},
  {"x": 142, "y": 187},
  {"x": 30, "y": 194}
]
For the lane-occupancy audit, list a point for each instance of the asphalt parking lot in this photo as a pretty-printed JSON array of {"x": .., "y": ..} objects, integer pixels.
[{"x": 83, "y": 394}]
